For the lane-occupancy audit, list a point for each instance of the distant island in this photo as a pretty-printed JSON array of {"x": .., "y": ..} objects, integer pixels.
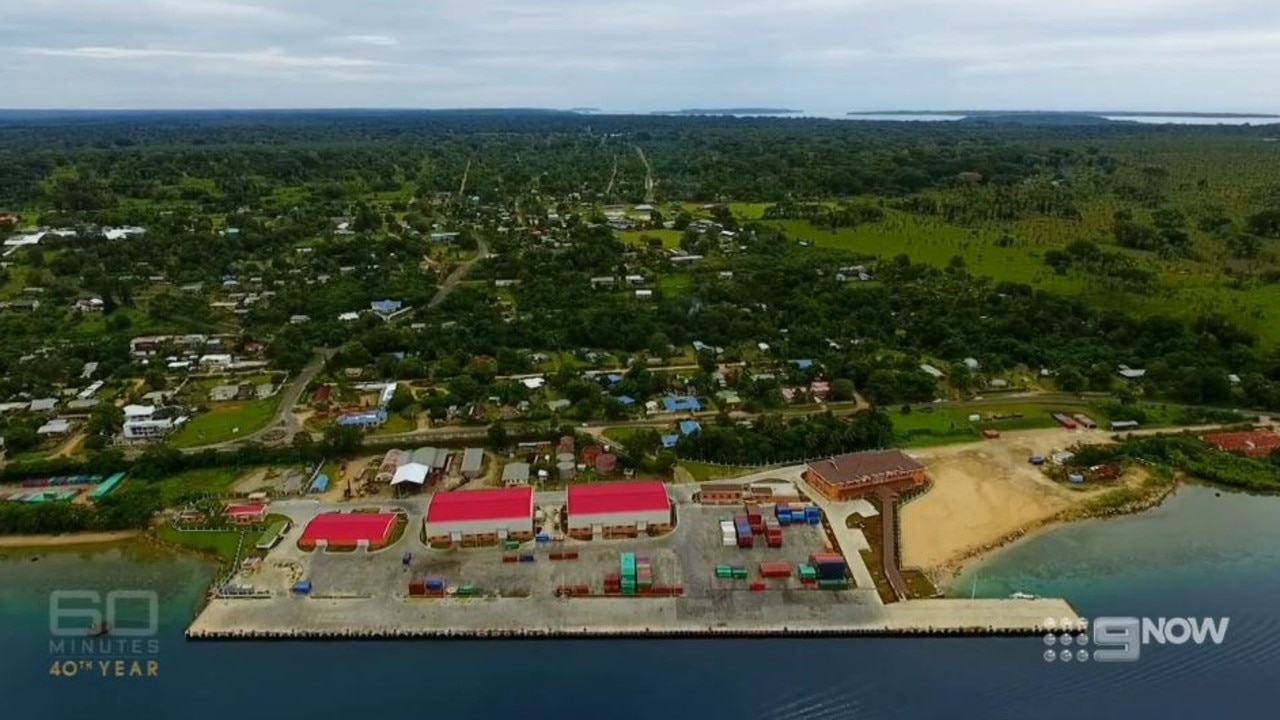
[
  {"x": 728, "y": 111},
  {"x": 585, "y": 110},
  {"x": 1046, "y": 118},
  {"x": 1077, "y": 113}
]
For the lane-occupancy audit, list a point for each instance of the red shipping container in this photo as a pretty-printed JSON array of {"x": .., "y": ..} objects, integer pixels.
[
  {"x": 775, "y": 569},
  {"x": 757, "y": 586},
  {"x": 753, "y": 511},
  {"x": 571, "y": 555},
  {"x": 774, "y": 542},
  {"x": 556, "y": 556},
  {"x": 509, "y": 558},
  {"x": 821, "y": 558}
]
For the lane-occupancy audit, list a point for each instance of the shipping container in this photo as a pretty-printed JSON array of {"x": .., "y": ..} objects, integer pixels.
[
  {"x": 758, "y": 586},
  {"x": 435, "y": 582},
  {"x": 774, "y": 541},
  {"x": 511, "y": 545},
  {"x": 784, "y": 519},
  {"x": 509, "y": 558},
  {"x": 775, "y": 569},
  {"x": 526, "y": 558},
  {"x": 739, "y": 573},
  {"x": 831, "y": 584}
]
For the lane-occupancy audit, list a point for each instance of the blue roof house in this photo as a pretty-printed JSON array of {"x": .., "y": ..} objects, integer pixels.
[
  {"x": 681, "y": 404},
  {"x": 669, "y": 441},
  {"x": 689, "y": 427},
  {"x": 364, "y": 419}
]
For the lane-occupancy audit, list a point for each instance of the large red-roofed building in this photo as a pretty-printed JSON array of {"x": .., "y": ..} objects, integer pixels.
[
  {"x": 480, "y": 517},
  {"x": 851, "y": 476},
  {"x": 621, "y": 509},
  {"x": 1252, "y": 444},
  {"x": 348, "y": 530}
]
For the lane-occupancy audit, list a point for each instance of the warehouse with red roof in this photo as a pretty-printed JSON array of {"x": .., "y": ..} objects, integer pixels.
[
  {"x": 621, "y": 509},
  {"x": 348, "y": 530},
  {"x": 479, "y": 517}
]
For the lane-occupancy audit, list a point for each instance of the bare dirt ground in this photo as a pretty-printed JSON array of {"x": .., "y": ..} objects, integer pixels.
[
  {"x": 71, "y": 446},
  {"x": 984, "y": 493}
]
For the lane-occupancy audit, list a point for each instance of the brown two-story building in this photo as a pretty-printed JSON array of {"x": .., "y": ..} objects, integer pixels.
[{"x": 851, "y": 476}]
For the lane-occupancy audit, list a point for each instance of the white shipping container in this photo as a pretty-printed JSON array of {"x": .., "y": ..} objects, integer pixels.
[{"x": 728, "y": 542}]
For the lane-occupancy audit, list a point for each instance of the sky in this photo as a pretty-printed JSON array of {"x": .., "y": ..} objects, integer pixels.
[{"x": 821, "y": 56}]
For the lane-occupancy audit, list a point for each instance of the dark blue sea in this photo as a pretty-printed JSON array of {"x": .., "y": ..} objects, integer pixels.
[{"x": 1200, "y": 555}]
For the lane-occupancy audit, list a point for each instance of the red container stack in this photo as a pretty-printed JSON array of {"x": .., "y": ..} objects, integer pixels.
[
  {"x": 775, "y": 569},
  {"x": 417, "y": 588},
  {"x": 773, "y": 533},
  {"x": 758, "y": 586},
  {"x": 612, "y": 584},
  {"x": 755, "y": 518}
]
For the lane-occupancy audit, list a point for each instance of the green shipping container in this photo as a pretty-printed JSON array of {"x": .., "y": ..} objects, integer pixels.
[
  {"x": 833, "y": 584},
  {"x": 739, "y": 574},
  {"x": 511, "y": 545}
]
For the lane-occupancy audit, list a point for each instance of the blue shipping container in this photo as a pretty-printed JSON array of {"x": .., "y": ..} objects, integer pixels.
[
  {"x": 814, "y": 519},
  {"x": 435, "y": 583},
  {"x": 784, "y": 518},
  {"x": 543, "y": 538},
  {"x": 527, "y": 557},
  {"x": 797, "y": 516}
]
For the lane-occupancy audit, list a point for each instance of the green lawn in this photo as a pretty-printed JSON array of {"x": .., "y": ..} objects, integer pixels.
[
  {"x": 674, "y": 284},
  {"x": 621, "y": 434},
  {"x": 669, "y": 238},
  {"x": 940, "y": 426},
  {"x": 397, "y": 423},
  {"x": 225, "y": 422},
  {"x": 197, "y": 482},
  {"x": 703, "y": 471},
  {"x": 222, "y": 544}
]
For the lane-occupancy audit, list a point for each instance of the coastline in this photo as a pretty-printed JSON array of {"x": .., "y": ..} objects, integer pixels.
[
  {"x": 87, "y": 538},
  {"x": 944, "y": 574}
]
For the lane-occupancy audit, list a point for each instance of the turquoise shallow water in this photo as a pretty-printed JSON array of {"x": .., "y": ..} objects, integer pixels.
[{"x": 1197, "y": 555}]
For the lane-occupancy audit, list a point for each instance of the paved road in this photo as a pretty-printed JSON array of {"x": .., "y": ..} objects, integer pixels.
[{"x": 457, "y": 276}]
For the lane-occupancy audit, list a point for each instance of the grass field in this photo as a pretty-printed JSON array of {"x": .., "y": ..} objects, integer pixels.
[
  {"x": 397, "y": 423},
  {"x": 702, "y": 472},
  {"x": 1187, "y": 288},
  {"x": 197, "y": 482},
  {"x": 674, "y": 284},
  {"x": 222, "y": 544},
  {"x": 943, "y": 426},
  {"x": 226, "y": 422},
  {"x": 669, "y": 238}
]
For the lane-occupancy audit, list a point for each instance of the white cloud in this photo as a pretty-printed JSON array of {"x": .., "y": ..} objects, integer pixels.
[
  {"x": 820, "y": 55},
  {"x": 271, "y": 58},
  {"x": 375, "y": 40}
]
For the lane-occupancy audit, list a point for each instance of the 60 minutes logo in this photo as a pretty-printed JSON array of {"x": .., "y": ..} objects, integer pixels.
[{"x": 89, "y": 638}]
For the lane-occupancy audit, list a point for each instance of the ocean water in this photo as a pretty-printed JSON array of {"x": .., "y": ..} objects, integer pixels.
[{"x": 1200, "y": 554}]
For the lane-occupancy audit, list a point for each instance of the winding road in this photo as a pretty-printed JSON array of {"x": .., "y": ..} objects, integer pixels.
[{"x": 459, "y": 274}]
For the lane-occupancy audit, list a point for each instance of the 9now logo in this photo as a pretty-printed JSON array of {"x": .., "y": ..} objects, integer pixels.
[{"x": 1120, "y": 639}]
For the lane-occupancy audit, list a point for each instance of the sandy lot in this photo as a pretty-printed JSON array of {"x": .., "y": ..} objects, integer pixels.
[
  {"x": 983, "y": 493},
  {"x": 69, "y": 539}
]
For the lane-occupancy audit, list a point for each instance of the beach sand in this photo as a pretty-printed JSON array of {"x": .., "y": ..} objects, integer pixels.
[
  {"x": 984, "y": 495},
  {"x": 67, "y": 539}
]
